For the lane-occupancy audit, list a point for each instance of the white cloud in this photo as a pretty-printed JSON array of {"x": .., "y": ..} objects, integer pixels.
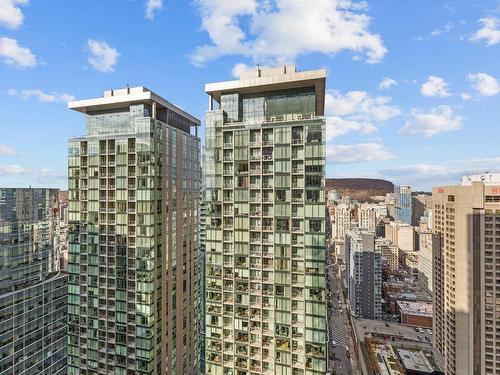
[
  {"x": 280, "y": 30},
  {"x": 13, "y": 54},
  {"x": 151, "y": 7},
  {"x": 484, "y": 84},
  {"x": 490, "y": 32},
  {"x": 102, "y": 57},
  {"x": 41, "y": 175},
  {"x": 11, "y": 15},
  {"x": 357, "y": 153},
  {"x": 420, "y": 170},
  {"x": 466, "y": 96},
  {"x": 439, "y": 174},
  {"x": 356, "y": 111},
  {"x": 13, "y": 170},
  {"x": 438, "y": 120},
  {"x": 387, "y": 83},
  {"x": 442, "y": 30},
  {"x": 435, "y": 86},
  {"x": 337, "y": 126},
  {"x": 42, "y": 96},
  {"x": 6, "y": 150},
  {"x": 360, "y": 105},
  {"x": 238, "y": 69}
]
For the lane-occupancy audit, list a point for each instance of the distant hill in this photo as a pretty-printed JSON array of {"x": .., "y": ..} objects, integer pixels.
[{"x": 360, "y": 189}]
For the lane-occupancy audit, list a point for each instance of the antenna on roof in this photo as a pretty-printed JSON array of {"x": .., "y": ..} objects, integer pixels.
[{"x": 128, "y": 88}]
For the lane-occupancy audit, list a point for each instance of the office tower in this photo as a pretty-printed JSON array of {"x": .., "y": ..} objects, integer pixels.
[
  {"x": 134, "y": 185},
  {"x": 33, "y": 292},
  {"x": 419, "y": 204},
  {"x": 342, "y": 220},
  {"x": 466, "y": 283},
  {"x": 265, "y": 278},
  {"x": 402, "y": 195},
  {"x": 364, "y": 273}
]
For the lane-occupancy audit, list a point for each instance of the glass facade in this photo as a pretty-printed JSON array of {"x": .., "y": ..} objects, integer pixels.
[
  {"x": 265, "y": 235},
  {"x": 133, "y": 245},
  {"x": 33, "y": 293}
]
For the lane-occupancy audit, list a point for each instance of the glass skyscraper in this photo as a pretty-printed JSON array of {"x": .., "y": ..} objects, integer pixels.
[
  {"x": 402, "y": 195},
  {"x": 265, "y": 233},
  {"x": 33, "y": 293},
  {"x": 134, "y": 191}
]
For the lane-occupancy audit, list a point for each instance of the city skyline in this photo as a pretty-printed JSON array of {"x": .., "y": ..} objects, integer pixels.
[{"x": 410, "y": 88}]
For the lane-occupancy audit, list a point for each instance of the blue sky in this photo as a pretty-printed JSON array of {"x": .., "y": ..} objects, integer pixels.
[{"x": 413, "y": 89}]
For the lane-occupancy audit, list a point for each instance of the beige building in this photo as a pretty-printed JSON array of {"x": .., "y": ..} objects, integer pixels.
[
  {"x": 342, "y": 221},
  {"x": 367, "y": 216},
  {"x": 134, "y": 187},
  {"x": 401, "y": 234},
  {"x": 427, "y": 244},
  {"x": 466, "y": 280}
]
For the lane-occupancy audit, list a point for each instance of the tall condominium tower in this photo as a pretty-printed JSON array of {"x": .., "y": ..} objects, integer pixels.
[
  {"x": 265, "y": 241},
  {"x": 134, "y": 182},
  {"x": 402, "y": 195},
  {"x": 33, "y": 293},
  {"x": 363, "y": 255},
  {"x": 466, "y": 281}
]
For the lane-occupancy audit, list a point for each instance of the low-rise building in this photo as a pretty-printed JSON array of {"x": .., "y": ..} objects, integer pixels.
[
  {"x": 422, "y": 362},
  {"x": 417, "y": 314}
]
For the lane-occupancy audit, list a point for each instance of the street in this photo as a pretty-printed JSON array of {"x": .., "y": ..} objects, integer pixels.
[{"x": 338, "y": 330}]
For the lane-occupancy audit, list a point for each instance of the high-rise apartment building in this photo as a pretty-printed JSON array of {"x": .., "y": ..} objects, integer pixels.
[
  {"x": 265, "y": 242},
  {"x": 134, "y": 190},
  {"x": 33, "y": 292},
  {"x": 342, "y": 220},
  {"x": 402, "y": 195},
  {"x": 367, "y": 216},
  {"x": 364, "y": 273},
  {"x": 466, "y": 282}
]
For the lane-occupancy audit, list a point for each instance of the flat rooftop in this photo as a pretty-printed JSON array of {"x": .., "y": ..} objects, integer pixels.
[
  {"x": 114, "y": 99},
  {"x": 487, "y": 178},
  {"x": 422, "y": 361},
  {"x": 270, "y": 79},
  {"x": 415, "y": 308}
]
